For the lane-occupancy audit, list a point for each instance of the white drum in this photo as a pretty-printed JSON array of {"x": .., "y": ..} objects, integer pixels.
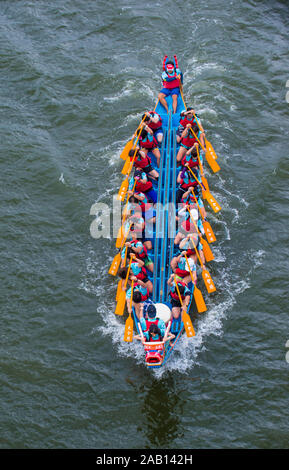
[{"x": 163, "y": 312}]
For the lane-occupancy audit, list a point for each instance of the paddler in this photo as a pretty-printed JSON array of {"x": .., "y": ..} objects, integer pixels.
[
  {"x": 185, "y": 224},
  {"x": 154, "y": 122},
  {"x": 191, "y": 195},
  {"x": 140, "y": 250},
  {"x": 137, "y": 271},
  {"x": 187, "y": 117},
  {"x": 188, "y": 140},
  {"x": 143, "y": 185},
  {"x": 185, "y": 294},
  {"x": 139, "y": 295},
  {"x": 148, "y": 143},
  {"x": 189, "y": 243},
  {"x": 143, "y": 161},
  {"x": 172, "y": 80},
  {"x": 182, "y": 268},
  {"x": 192, "y": 156},
  {"x": 186, "y": 180}
]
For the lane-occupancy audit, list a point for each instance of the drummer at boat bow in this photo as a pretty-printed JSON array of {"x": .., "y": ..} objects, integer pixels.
[
  {"x": 172, "y": 79},
  {"x": 151, "y": 319}
]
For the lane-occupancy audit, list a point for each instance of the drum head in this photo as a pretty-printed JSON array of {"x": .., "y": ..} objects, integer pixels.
[{"x": 163, "y": 312}]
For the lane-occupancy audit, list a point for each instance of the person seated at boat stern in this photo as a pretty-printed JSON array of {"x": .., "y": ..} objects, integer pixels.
[
  {"x": 153, "y": 121},
  {"x": 185, "y": 295},
  {"x": 172, "y": 79}
]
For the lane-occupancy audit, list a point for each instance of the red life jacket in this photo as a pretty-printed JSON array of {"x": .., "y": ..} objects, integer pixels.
[
  {"x": 172, "y": 83},
  {"x": 145, "y": 296},
  {"x": 152, "y": 125},
  {"x": 143, "y": 274},
  {"x": 193, "y": 161},
  {"x": 141, "y": 255},
  {"x": 184, "y": 121},
  {"x": 189, "y": 140},
  {"x": 141, "y": 162},
  {"x": 189, "y": 184},
  {"x": 181, "y": 273},
  {"x": 174, "y": 295},
  {"x": 149, "y": 323},
  {"x": 143, "y": 187},
  {"x": 149, "y": 144}
]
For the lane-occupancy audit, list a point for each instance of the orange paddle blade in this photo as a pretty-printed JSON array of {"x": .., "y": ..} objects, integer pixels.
[
  {"x": 126, "y": 166},
  {"x": 119, "y": 237},
  {"x": 115, "y": 265},
  {"x": 119, "y": 289},
  {"x": 212, "y": 162},
  {"x": 120, "y": 303},
  {"x": 208, "y": 281},
  {"x": 212, "y": 201},
  {"x": 207, "y": 250},
  {"x": 128, "y": 330},
  {"x": 199, "y": 300},
  {"x": 127, "y": 148},
  {"x": 209, "y": 232},
  {"x": 123, "y": 190},
  {"x": 188, "y": 325},
  {"x": 210, "y": 148}
]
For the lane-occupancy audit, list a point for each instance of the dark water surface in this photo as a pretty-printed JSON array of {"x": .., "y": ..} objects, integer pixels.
[{"x": 75, "y": 79}]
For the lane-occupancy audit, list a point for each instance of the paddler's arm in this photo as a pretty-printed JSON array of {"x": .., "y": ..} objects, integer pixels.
[{"x": 187, "y": 301}]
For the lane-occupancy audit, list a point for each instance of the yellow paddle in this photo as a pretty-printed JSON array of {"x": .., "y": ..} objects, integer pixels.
[
  {"x": 209, "y": 197},
  {"x": 116, "y": 260},
  {"x": 207, "y": 226},
  {"x": 129, "y": 145},
  {"x": 119, "y": 285},
  {"x": 211, "y": 161},
  {"x": 198, "y": 296},
  {"x": 205, "y": 273},
  {"x": 204, "y": 179},
  {"x": 128, "y": 330},
  {"x": 121, "y": 298},
  {"x": 185, "y": 317},
  {"x": 123, "y": 189},
  {"x": 127, "y": 167},
  {"x": 209, "y": 147},
  {"x": 206, "y": 248}
]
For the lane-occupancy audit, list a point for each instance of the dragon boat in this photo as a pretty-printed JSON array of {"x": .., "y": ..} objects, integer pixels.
[{"x": 157, "y": 353}]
